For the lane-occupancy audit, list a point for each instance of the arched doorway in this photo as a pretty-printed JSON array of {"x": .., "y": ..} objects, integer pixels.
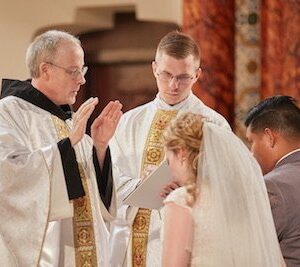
[{"x": 119, "y": 62}]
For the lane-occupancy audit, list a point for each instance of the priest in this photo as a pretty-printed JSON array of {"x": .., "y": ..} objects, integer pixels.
[
  {"x": 57, "y": 190},
  {"x": 135, "y": 236}
]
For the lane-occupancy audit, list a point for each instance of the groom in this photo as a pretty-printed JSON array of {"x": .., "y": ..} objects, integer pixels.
[{"x": 273, "y": 130}]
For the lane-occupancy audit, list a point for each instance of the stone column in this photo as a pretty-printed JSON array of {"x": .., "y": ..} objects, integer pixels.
[{"x": 247, "y": 60}]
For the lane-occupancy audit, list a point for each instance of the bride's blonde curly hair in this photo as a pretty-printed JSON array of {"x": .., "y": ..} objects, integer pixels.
[{"x": 186, "y": 132}]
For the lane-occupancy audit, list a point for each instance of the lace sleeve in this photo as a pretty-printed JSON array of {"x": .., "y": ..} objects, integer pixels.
[{"x": 178, "y": 196}]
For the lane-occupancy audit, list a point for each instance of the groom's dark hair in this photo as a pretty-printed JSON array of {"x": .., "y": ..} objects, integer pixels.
[{"x": 279, "y": 113}]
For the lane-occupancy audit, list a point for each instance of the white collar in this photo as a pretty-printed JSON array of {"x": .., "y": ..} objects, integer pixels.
[
  {"x": 161, "y": 104},
  {"x": 286, "y": 155}
]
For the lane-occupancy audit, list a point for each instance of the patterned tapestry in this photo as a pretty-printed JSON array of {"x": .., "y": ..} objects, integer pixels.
[
  {"x": 211, "y": 24},
  {"x": 250, "y": 51},
  {"x": 281, "y": 48}
]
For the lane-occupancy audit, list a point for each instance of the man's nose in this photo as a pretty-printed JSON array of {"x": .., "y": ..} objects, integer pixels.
[
  {"x": 174, "y": 82},
  {"x": 82, "y": 79}
]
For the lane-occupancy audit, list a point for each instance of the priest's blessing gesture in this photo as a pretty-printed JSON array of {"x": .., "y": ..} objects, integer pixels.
[
  {"x": 105, "y": 124},
  {"x": 104, "y": 127},
  {"x": 53, "y": 175}
]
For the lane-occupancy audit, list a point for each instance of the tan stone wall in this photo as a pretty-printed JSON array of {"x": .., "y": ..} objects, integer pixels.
[{"x": 20, "y": 21}]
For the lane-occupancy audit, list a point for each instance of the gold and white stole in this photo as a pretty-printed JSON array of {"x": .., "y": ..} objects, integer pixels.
[
  {"x": 84, "y": 239},
  {"x": 153, "y": 155}
]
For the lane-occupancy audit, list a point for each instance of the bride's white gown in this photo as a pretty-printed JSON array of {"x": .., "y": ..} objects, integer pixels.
[
  {"x": 233, "y": 224},
  {"x": 203, "y": 251}
]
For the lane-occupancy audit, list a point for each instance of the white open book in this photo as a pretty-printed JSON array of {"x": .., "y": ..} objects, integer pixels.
[{"x": 147, "y": 193}]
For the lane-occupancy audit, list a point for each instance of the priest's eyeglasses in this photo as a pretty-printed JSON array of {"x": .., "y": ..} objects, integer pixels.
[
  {"x": 74, "y": 73},
  {"x": 183, "y": 79}
]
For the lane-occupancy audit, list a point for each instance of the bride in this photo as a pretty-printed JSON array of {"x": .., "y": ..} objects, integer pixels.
[{"x": 221, "y": 215}]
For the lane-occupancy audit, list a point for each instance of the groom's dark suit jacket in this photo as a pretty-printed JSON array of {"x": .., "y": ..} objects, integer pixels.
[{"x": 283, "y": 185}]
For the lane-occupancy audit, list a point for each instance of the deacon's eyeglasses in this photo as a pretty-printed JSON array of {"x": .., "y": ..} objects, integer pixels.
[
  {"x": 183, "y": 79},
  {"x": 74, "y": 73}
]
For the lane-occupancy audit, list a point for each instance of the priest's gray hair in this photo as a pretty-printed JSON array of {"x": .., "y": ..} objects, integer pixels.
[{"x": 44, "y": 48}]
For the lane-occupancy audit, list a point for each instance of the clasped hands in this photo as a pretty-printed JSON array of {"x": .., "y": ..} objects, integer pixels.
[{"x": 102, "y": 128}]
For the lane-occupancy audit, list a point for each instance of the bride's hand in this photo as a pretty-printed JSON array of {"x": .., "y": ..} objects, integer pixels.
[{"x": 169, "y": 188}]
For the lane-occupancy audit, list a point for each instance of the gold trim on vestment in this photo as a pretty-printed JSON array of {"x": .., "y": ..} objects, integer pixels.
[
  {"x": 153, "y": 155},
  {"x": 83, "y": 229}
]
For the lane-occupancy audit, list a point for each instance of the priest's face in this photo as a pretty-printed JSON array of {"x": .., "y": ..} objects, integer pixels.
[
  {"x": 66, "y": 74},
  {"x": 175, "y": 77}
]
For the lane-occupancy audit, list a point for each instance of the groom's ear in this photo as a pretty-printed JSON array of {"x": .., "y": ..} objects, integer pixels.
[{"x": 270, "y": 137}]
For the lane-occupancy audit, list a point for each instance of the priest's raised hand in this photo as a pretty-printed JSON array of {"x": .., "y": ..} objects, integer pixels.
[
  {"x": 105, "y": 124},
  {"x": 80, "y": 119},
  {"x": 104, "y": 127}
]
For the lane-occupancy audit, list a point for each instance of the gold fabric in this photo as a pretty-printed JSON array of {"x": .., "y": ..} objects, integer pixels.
[
  {"x": 84, "y": 240},
  {"x": 153, "y": 155}
]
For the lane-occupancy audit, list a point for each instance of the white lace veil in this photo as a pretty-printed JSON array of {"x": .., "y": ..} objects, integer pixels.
[{"x": 232, "y": 214}]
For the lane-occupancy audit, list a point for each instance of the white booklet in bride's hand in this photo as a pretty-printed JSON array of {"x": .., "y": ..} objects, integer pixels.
[{"x": 147, "y": 193}]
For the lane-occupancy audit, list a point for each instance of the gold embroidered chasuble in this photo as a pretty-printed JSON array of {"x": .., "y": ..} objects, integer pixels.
[
  {"x": 153, "y": 155},
  {"x": 134, "y": 129},
  {"x": 84, "y": 239}
]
